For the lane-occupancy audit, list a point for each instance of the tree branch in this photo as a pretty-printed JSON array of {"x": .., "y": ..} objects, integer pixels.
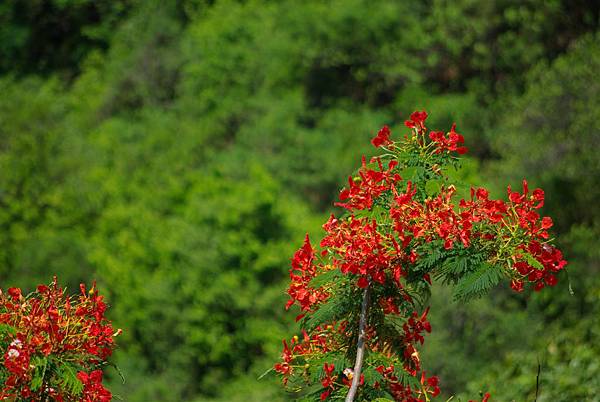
[{"x": 360, "y": 347}]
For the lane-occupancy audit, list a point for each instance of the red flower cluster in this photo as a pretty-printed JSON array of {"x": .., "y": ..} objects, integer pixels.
[
  {"x": 547, "y": 260},
  {"x": 433, "y": 219},
  {"x": 378, "y": 247},
  {"x": 521, "y": 233},
  {"x": 93, "y": 390},
  {"x": 357, "y": 247},
  {"x": 322, "y": 340},
  {"x": 328, "y": 381},
  {"x": 49, "y": 325},
  {"x": 302, "y": 272},
  {"x": 417, "y": 120},
  {"x": 415, "y": 326},
  {"x": 413, "y": 329},
  {"x": 517, "y": 231},
  {"x": 406, "y": 393},
  {"x": 453, "y": 142},
  {"x": 368, "y": 186}
]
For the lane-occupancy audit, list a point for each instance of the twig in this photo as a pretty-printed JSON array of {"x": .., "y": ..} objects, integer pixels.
[
  {"x": 537, "y": 380},
  {"x": 360, "y": 347}
]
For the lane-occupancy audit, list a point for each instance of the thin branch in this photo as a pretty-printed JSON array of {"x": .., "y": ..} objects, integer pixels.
[
  {"x": 537, "y": 380},
  {"x": 360, "y": 347}
]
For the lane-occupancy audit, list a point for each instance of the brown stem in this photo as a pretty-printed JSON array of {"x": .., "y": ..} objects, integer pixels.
[{"x": 360, "y": 347}]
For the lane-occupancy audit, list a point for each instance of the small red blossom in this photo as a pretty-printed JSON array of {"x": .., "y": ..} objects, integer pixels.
[
  {"x": 546, "y": 222},
  {"x": 452, "y": 142},
  {"x": 382, "y": 138},
  {"x": 15, "y": 293},
  {"x": 417, "y": 120}
]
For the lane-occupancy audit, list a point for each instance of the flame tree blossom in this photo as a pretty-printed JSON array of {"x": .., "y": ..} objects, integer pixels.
[
  {"x": 54, "y": 346},
  {"x": 362, "y": 291}
]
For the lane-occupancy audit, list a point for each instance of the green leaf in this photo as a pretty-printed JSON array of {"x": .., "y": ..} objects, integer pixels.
[
  {"x": 531, "y": 260},
  {"x": 40, "y": 363},
  {"x": 330, "y": 310},
  {"x": 7, "y": 331},
  {"x": 478, "y": 282},
  {"x": 432, "y": 187},
  {"x": 67, "y": 374},
  {"x": 456, "y": 263},
  {"x": 325, "y": 278},
  {"x": 371, "y": 375},
  {"x": 408, "y": 173}
]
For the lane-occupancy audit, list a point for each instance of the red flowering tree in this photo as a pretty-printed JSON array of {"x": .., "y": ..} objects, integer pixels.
[
  {"x": 54, "y": 346},
  {"x": 363, "y": 292}
]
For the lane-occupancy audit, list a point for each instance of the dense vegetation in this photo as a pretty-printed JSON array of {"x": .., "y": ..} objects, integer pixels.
[{"x": 177, "y": 151}]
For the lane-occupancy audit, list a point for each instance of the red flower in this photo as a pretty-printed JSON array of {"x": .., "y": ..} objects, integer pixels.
[
  {"x": 546, "y": 222},
  {"x": 430, "y": 385},
  {"x": 362, "y": 282},
  {"x": 455, "y": 140},
  {"x": 15, "y": 293},
  {"x": 451, "y": 143},
  {"x": 382, "y": 138},
  {"x": 516, "y": 285},
  {"x": 327, "y": 382},
  {"x": 417, "y": 120},
  {"x": 550, "y": 280}
]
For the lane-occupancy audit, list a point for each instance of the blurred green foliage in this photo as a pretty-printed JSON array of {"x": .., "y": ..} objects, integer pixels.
[{"x": 178, "y": 151}]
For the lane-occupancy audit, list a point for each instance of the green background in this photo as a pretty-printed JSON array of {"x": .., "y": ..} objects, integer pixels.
[{"x": 178, "y": 151}]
